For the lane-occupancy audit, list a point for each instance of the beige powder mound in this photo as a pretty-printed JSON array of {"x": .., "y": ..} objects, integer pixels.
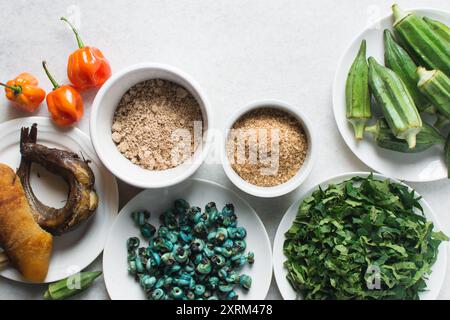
[
  {"x": 255, "y": 158},
  {"x": 146, "y": 119}
]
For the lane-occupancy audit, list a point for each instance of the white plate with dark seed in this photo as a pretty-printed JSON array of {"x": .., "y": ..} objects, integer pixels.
[
  {"x": 419, "y": 167},
  {"x": 75, "y": 250},
  {"x": 122, "y": 286}
]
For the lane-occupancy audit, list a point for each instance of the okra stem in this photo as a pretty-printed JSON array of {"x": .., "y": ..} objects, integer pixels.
[
  {"x": 373, "y": 129},
  {"x": 424, "y": 75},
  {"x": 411, "y": 139},
  {"x": 399, "y": 14},
  {"x": 358, "y": 127}
]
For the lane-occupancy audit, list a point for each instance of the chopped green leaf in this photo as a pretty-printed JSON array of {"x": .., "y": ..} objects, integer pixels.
[{"x": 361, "y": 239}]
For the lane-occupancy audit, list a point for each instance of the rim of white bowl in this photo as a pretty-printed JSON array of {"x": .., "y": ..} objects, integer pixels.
[
  {"x": 335, "y": 85},
  {"x": 207, "y": 136},
  {"x": 305, "y": 169}
]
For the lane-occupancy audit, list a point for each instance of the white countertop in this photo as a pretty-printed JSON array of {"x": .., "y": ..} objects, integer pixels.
[{"x": 238, "y": 51}]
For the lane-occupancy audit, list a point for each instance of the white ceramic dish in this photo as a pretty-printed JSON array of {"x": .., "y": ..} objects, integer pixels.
[
  {"x": 434, "y": 282},
  {"x": 121, "y": 285},
  {"x": 294, "y": 182},
  {"x": 75, "y": 250},
  {"x": 102, "y": 113},
  {"x": 425, "y": 166}
]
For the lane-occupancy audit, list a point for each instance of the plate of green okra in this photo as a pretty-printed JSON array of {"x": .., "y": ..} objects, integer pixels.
[{"x": 391, "y": 95}]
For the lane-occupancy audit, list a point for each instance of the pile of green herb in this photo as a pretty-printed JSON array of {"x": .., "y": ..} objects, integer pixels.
[{"x": 361, "y": 239}]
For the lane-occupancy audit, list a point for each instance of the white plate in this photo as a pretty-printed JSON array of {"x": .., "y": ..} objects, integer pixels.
[
  {"x": 75, "y": 250},
  {"x": 122, "y": 286},
  {"x": 434, "y": 282},
  {"x": 424, "y": 166}
]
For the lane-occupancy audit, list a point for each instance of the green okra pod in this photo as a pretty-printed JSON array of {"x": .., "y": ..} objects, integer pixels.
[
  {"x": 396, "y": 102},
  {"x": 424, "y": 44},
  {"x": 436, "y": 86},
  {"x": 440, "y": 28},
  {"x": 399, "y": 61},
  {"x": 71, "y": 286},
  {"x": 357, "y": 94},
  {"x": 426, "y": 138}
]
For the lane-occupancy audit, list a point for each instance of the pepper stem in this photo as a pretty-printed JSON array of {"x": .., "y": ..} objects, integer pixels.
[
  {"x": 52, "y": 80},
  {"x": 16, "y": 89},
  {"x": 77, "y": 35}
]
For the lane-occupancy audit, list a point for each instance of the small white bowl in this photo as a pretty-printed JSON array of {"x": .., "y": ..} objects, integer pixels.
[
  {"x": 101, "y": 119},
  {"x": 295, "y": 181}
]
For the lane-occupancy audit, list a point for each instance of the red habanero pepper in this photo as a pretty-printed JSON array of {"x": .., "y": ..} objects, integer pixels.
[
  {"x": 23, "y": 90},
  {"x": 87, "y": 67},
  {"x": 64, "y": 102}
]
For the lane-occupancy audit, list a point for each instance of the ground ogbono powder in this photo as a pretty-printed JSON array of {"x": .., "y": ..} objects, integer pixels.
[
  {"x": 157, "y": 124},
  {"x": 267, "y": 146}
]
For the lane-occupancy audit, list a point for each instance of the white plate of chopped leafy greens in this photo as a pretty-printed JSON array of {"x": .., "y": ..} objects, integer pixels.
[
  {"x": 426, "y": 165},
  {"x": 180, "y": 240},
  {"x": 360, "y": 236}
]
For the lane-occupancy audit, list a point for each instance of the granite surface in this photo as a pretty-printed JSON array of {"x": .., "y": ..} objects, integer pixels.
[{"x": 238, "y": 51}]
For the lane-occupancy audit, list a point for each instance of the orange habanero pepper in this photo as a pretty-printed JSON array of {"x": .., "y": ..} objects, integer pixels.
[
  {"x": 23, "y": 90},
  {"x": 64, "y": 102},
  {"x": 87, "y": 67}
]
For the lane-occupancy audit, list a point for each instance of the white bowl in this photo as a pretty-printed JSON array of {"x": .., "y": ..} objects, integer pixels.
[
  {"x": 295, "y": 181},
  {"x": 102, "y": 113}
]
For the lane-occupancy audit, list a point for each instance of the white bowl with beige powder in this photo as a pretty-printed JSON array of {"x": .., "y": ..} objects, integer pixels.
[
  {"x": 149, "y": 125},
  {"x": 269, "y": 148}
]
